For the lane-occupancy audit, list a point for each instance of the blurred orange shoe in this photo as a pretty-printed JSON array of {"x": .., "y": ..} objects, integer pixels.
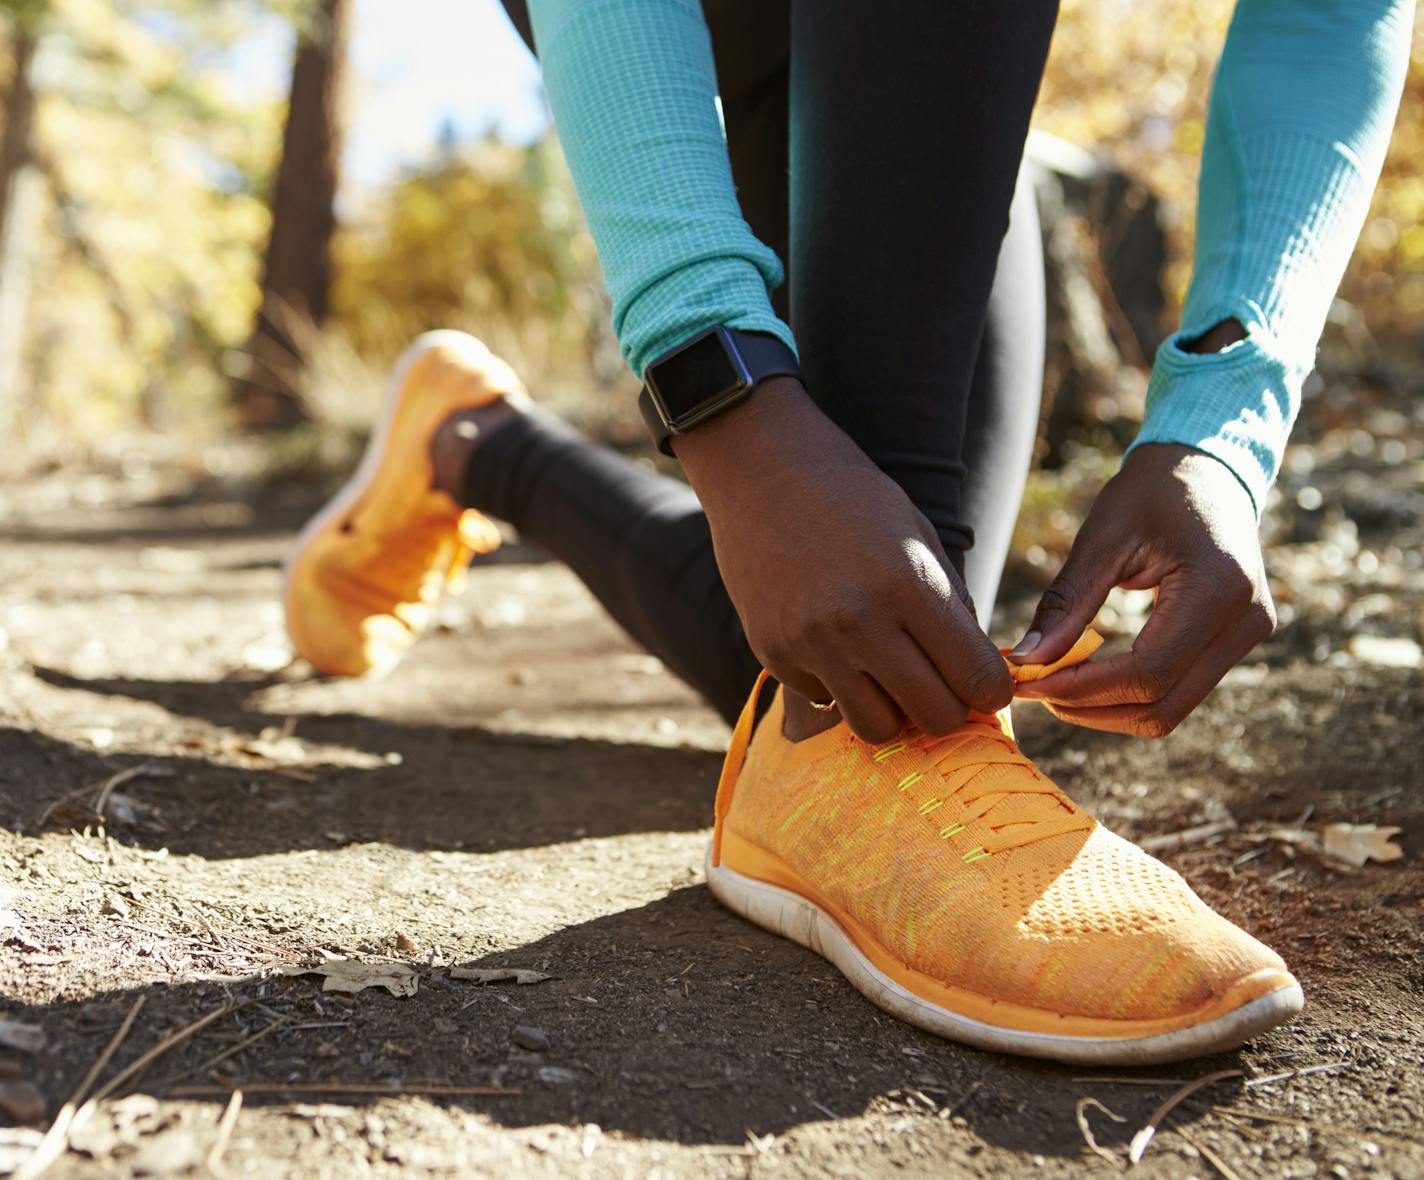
[
  {"x": 960, "y": 890},
  {"x": 369, "y": 570}
]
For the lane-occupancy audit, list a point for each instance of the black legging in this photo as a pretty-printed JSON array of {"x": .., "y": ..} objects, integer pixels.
[{"x": 918, "y": 320}]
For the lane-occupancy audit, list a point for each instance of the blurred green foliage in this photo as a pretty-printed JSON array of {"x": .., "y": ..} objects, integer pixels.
[{"x": 158, "y": 164}]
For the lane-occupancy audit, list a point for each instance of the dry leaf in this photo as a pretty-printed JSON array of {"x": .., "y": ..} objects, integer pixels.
[
  {"x": 352, "y": 975},
  {"x": 1357, "y": 843},
  {"x": 519, "y": 975}
]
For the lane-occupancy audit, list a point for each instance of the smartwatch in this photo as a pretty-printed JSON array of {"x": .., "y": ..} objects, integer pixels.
[{"x": 708, "y": 374}]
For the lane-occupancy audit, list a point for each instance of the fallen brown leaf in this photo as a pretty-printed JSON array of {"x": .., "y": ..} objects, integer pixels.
[
  {"x": 520, "y": 975},
  {"x": 1357, "y": 843},
  {"x": 352, "y": 975}
]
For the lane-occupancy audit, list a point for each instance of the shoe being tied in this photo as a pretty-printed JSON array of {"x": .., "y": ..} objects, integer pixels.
[
  {"x": 368, "y": 571},
  {"x": 959, "y": 889}
]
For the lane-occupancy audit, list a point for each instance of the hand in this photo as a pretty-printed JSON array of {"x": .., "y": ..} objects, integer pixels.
[
  {"x": 1178, "y": 520},
  {"x": 841, "y": 584}
]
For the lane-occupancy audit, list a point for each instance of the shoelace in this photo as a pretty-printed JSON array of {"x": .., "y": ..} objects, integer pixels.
[
  {"x": 980, "y": 745},
  {"x": 975, "y": 748}
]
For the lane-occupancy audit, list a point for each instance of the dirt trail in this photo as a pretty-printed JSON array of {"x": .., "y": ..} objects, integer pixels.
[{"x": 530, "y": 791}]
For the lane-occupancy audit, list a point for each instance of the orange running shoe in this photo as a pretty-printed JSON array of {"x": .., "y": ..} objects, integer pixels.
[
  {"x": 369, "y": 570},
  {"x": 956, "y": 887}
]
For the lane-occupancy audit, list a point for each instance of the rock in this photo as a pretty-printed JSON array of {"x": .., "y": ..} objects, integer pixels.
[
  {"x": 167, "y": 1155},
  {"x": 1386, "y": 652},
  {"x": 24, "y": 1038},
  {"x": 527, "y": 1037},
  {"x": 557, "y": 1075},
  {"x": 21, "y": 1102}
]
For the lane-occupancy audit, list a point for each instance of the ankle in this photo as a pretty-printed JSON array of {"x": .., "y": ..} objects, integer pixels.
[
  {"x": 455, "y": 441},
  {"x": 802, "y": 720}
]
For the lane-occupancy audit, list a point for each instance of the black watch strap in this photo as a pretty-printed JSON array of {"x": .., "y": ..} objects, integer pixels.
[{"x": 707, "y": 375}]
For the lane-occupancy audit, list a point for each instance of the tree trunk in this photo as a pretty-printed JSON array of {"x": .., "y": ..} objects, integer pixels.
[
  {"x": 20, "y": 193},
  {"x": 297, "y": 266}
]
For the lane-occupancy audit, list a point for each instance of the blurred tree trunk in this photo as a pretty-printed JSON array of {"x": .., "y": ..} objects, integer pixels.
[
  {"x": 1105, "y": 249},
  {"x": 20, "y": 185},
  {"x": 297, "y": 267}
]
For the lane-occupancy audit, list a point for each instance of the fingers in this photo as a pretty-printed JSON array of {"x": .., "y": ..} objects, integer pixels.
[
  {"x": 1157, "y": 718},
  {"x": 869, "y": 711},
  {"x": 1194, "y": 609},
  {"x": 906, "y": 673},
  {"x": 798, "y": 681},
  {"x": 1184, "y": 621},
  {"x": 964, "y": 660},
  {"x": 1070, "y": 603}
]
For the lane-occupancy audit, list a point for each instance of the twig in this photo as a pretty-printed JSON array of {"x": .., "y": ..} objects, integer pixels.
[
  {"x": 1144, "y": 1136},
  {"x": 341, "y": 1088},
  {"x": 1197, "y": 835},
  {"x": 302, "y": 776},
  {"x": 226, "y": 1053},
  {"x": 109, "y": 1050},
  {"x": 101, "y": 797},
  {"x": 1123, "y": 1081},
  {"x": 1297, "y": 1073},
  {"x": 56, "y": 1139},
  {"x": 1389, "y": 793},
  {"x": 960, "y": 1102},
  {"x": 1206, "y": 1152},
  {"x": 225, "y": 1129},
  {"x": 231, "y": 934},
  {"x": 1240, "y": 1125},
  {"x": 1082, "y": 1115},
  {"x": 1321, "y": 1128},
  {"x": 130, "y": 1072}
]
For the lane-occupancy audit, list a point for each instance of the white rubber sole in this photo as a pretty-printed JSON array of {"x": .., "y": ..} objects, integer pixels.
[
  {"x": 355, "y": 487},
  {"x": 801, "y": 920}
]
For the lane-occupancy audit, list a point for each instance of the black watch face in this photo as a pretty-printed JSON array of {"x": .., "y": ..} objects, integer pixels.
[{"x": 696, "y": 379}]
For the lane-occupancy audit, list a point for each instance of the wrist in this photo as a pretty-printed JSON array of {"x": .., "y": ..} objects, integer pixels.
[
  {"x": 1218, "y": 338},
  {"x": 748, "y": 429}
]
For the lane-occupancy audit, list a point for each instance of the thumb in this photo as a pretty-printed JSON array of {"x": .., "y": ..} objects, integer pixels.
[{"x": 1068, "y": 605}]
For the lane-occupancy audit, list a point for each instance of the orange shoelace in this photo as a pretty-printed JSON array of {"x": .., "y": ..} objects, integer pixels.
[{"x": 1019, "y": 806}]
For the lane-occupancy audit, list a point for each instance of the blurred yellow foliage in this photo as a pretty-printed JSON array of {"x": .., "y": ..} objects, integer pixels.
[
  {"x": 1132, "y": 78},
  {"x": 489, "y": 238}
]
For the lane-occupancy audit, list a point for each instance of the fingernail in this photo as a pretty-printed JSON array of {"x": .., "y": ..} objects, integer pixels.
[{"x": 1026, "y": 645}]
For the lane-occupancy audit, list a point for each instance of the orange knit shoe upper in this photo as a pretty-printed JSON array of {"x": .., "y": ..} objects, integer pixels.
[
  {"x": 966, "y": 876},
  {"x": 368, "y": 572}
]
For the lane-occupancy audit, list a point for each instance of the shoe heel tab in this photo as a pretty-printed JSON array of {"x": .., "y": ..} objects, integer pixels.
[{"x": 736, "y": 757}]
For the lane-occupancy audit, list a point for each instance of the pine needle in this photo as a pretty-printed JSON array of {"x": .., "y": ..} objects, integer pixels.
[{"x": 1144, "y": 1136}]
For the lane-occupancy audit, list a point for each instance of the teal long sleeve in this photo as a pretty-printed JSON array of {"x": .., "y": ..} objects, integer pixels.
[
  {"x": 634, "y": 95},
  {"x": 1300, "y": 116},
  {"x": 1305, "y": 96}
]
